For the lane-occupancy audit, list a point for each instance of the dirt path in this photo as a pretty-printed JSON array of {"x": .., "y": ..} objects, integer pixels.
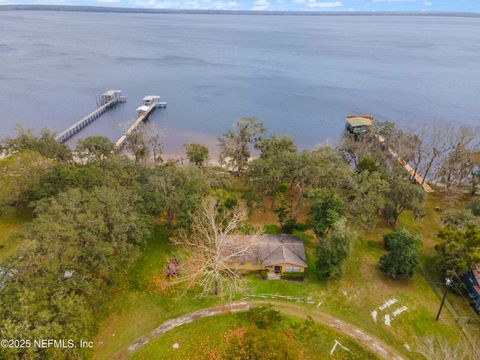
[{"x": 376, "y": 346}]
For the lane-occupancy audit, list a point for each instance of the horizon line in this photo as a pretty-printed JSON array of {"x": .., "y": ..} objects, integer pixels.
[{"x": 117, "y": 9}]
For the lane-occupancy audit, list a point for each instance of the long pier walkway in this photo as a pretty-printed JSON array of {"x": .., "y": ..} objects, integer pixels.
[
  {"x": 107, "y": 101},
  {"x": 150, "y": 103},
  {"x": 420, "y": 180}
]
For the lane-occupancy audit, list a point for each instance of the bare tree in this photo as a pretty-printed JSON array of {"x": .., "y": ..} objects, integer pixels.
[
  {"x": 235, "y": 145},
  {"x": 433, "y": 141},
  {"x": 146, "y": 144},
  {"x": 439, "y": 349},
  {"x": 155, "y": 142},
  {"x": 210, "y": 249},
  {"x": 136, "y": 143},
  {"x": 461, "y": 162}
]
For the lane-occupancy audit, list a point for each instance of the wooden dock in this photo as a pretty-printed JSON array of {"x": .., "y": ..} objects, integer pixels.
[
  {"x": 144, "y": 112},
  {"x": 106, "y": 103},
  {"x": 420, "y": 180},
  {"x": 358, "y": 124}
]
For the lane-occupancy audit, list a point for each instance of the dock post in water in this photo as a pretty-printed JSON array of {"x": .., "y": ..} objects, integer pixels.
[
  {"x": 150, "y": 103},
  {"x": 105, "y": 102}
]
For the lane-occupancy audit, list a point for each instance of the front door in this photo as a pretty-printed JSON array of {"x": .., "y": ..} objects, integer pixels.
[{"x": 278, "y": 270}]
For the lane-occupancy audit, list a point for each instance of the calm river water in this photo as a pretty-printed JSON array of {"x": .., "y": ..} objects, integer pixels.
[{"x": 299, "y": 74}]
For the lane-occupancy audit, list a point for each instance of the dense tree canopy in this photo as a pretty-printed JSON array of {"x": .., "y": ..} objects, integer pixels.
[
  {"x": 332, "y": 252},
  {"x": 458, "y": 250},
  {"x": 75, "y": 248},
  {"x": 45, "y": 144},
  {"x": 402, "y": 256}
]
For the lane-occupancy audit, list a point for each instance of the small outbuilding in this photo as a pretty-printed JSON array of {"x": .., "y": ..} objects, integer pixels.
[
  {"x": 109, "y": 95},
  {"x": 150, "y": 100}
]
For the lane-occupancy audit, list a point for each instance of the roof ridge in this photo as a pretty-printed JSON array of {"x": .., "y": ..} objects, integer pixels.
[{"x": 295, "y": 253}]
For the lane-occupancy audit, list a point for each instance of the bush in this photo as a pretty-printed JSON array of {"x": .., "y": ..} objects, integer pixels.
[
  {"x": 402, "y": 254},
  {"x": 474, "y": 206},
  {"x": 263, "y": 274},
  {"x": 458, "y": 219},
  {"x": 297, "y": 275},
  {"x": 262, "y": 345},
  {"x": 292, "y": 225},
  {"x": 264, "y": 316}
]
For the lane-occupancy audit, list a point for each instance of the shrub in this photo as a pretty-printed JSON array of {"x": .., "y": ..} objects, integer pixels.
[
  {"x": 264, "y": 274},
  {"x": 264, "y": 316},
  {"x": 402, "y": 254},
  {"x": 262, "y": 345},
  {"x": 474, "y": 206},
  {"x": 297, "y": 275}
]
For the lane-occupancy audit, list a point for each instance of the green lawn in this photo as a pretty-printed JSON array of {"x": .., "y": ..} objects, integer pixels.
[
  {"x": 140, "y": 305},
  {"x": 208, "y": 339},
  {"x": 9, "y": 224}
]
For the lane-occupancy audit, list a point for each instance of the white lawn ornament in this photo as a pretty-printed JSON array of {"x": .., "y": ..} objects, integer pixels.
[
  {"x": 387, "y": 304},
  {"x": 374, "y": 315},
  {"x": 335, "y": 347},
  {"x": 399, "y": 311},
  {"x": 387, "y": 320}
]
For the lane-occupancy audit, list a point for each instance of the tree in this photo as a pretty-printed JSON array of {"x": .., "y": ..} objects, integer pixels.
[
  {"x": 367, "y": 164},
  {"x": 18, "y": 174},
  {"x": 367, "y": 199},
  {"x": 274, "y": 145},
  {"x": 332, "y": 252},
  {"x": 260, "y": 344},
  {"x": 235, "y": 145},
  {"x": 210, "y": 250},
  {"x": 402, "y": 195},
  {"x": 474, "y": 205},
  {"x": 197, "y": 154},
  {"x": 459, "y": 219},
  {"x": 326, "y": 210},
  {"x": 441, "y": 349},
  {"x": 461, "y": 162},
  {"x": 175, "y": 192},
  {"x": 74, "y": 250},
  {"x": 458, "y": 250},
  {"x": 45, "y": 144},
  {"x": 299, "y": 173},
  {"x": 136, "y": 143},
  {"x": 94, "y": 148},
  {"x": 154, "y": 139},
  {"x": 402, "y": 256}
]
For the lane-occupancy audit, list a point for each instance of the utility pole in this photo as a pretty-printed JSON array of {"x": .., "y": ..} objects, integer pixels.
[{"x": 447, "y": 284}]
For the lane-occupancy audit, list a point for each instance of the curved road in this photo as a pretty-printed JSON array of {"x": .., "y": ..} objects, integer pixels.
[{"x": 370, "y": 342}]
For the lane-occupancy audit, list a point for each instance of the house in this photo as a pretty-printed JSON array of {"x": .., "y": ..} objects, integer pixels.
[
  {"x": 472, "y": 281},
  {"x": 276, "y": 253},
  {"x": 357, "y": 124}
]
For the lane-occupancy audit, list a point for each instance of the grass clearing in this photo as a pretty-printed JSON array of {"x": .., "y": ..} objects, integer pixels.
[
  {"x": 208, "y": 339},
  {"x": 138, "y": 307}
]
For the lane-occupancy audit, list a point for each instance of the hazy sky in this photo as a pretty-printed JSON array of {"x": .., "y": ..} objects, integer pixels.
[{"x": 314, "y": 5}]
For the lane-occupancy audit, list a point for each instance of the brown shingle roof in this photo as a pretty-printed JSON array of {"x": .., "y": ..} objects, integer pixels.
[{"x": 272, "y": 249}]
